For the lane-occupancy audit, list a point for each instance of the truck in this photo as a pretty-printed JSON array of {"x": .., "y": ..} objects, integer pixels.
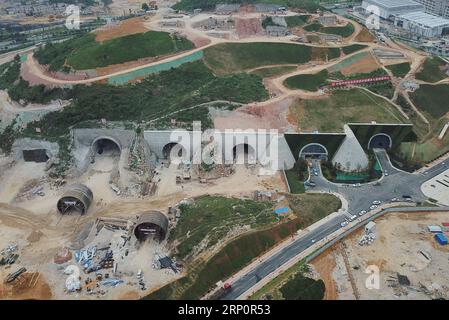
[{"x": 223, "y": 288}]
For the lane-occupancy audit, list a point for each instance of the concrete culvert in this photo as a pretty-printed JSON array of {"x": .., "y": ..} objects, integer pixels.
[
  {"x": 76, "y": 198},
  {"x": 35, "y": 155},
  {"x": 106, "y": 146},
  {"x": 151, "y": 224}
]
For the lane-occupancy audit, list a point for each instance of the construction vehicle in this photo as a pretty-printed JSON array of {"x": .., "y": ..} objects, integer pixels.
[{"x": 221, "y": 291}]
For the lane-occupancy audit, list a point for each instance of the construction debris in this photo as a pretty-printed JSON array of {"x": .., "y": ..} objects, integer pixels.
[
  {"x": 63, "y": 256},
  {"x": 14, "y": 275}
]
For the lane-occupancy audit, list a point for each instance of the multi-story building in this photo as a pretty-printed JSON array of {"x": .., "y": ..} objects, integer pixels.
[{"x": 438, "y": 7}]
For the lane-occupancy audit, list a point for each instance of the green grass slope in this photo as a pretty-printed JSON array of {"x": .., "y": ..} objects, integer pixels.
[{"x": 85, "y": 53}]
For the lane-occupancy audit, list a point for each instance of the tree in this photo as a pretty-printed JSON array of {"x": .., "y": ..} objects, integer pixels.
[{"x": 145, "y": 7}]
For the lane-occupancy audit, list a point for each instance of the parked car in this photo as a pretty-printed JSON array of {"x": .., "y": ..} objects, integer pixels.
[
  {"x": 373, "y": 207},
  {"x": 361, "y": 213},
  {"x": 353, "y": 217},
  {"x": 376, "y": 202}
]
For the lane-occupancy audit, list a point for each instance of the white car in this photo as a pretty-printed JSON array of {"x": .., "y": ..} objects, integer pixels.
[
  {"x": 394, "y": 200},
  {"x": 373, "y": 207},
  {"x": 313, "y": 240},
  {"x": 353, "y": 217},
  {"x": 344, "y": 223},
  {"x": 376, "y": 202},
  {"x": 361, "y": 213}
]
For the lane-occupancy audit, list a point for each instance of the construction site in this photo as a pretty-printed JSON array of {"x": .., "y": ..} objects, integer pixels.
[
  {"x": 401, "y": 251},
  {"x": 100, "y": 196}
]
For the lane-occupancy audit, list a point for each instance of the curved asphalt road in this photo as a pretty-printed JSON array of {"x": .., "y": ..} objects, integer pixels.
[{"x": 396, "y": 184}]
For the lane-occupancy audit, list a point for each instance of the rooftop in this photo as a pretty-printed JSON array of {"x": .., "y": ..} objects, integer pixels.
[
  {"x": 425, "y": 19},
  {"x": 395, "y": 3}
]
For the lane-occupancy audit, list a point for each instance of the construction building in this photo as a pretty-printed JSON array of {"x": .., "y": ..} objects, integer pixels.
[
  {"x": 423, "y": 24},
  {"x": 388, "y": 9}
]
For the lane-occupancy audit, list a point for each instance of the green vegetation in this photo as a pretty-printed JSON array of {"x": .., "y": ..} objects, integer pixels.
[
  {"x": 272, "y": 71},
  {"x": 297, "y": 176},
  {"x": 353, "y": 48},
  {"x": 19, "y": 89},
  {"x": 384, "y": 88},
  {"x": 399, "y": 70},
  {"x": 376, "y": 73},
  {"x": 432, "y": 70},
  {"x": 229, "y": 58},
  {"x": 212, "y": 218},
  {"x": 308, "y": 208},
  {"x": 331, "y": 113},
  {"x": 189, "y": 5},
  {"x": 300, "y": 287},
  {"x": 309, "y": 82},
  {"x": 9, "y": 72},
  {"x": 297, "y": 21},
  {"x": 270, "y": 291},
  {"x": 292, "y": 284},
  {"x": 336, "y": 174},
  {"x": 153, "y": 98},
  {"x": 268, "y": 21},
  {"x": 84, "y": 52},
  {"x": 432, "y": 99},
  {"x": 344, "y": 31}
]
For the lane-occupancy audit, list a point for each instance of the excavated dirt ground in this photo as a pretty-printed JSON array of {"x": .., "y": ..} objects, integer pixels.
[{"x": 400, "y": 237}]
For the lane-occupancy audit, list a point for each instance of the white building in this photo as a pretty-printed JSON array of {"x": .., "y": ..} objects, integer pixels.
[
  {"x": 437, "y": 7},
  {"x": 423, "y": 24},
  {"x": 390, "y": 8}
]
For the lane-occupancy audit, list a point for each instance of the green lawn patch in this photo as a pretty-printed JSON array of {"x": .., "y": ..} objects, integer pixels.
[
  {"x": 227, "y": 58},
  {"x": 353, "y": 48},
  {"x": 309, "y": 82},
  {"x": 308, "y": 208},
  {"x": 85, "y": 53},
  {"x": 273, "y": 71},
  {"x": 344, "y": 31},
  {"x": 432, "y": 70},
  {"x": 331, "y": 113},
  {"x": 432, "y": 99},
  {"x": 399, "y": 70},
  {"x": 297, "y": 21},
  {"x": 296, "y": 184}
]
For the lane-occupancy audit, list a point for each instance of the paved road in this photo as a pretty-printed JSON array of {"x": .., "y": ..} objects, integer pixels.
[{"x": 396, "y": 184}]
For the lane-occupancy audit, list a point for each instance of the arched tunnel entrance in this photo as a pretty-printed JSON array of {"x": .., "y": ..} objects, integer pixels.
[
  {"x": 106, "y": 147},
  {"x": 173, "y": 151},
  {"x": 380, "y": 141},
  {"x": 314, "y": 151},
  {"x": 244, "y": 154}
]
